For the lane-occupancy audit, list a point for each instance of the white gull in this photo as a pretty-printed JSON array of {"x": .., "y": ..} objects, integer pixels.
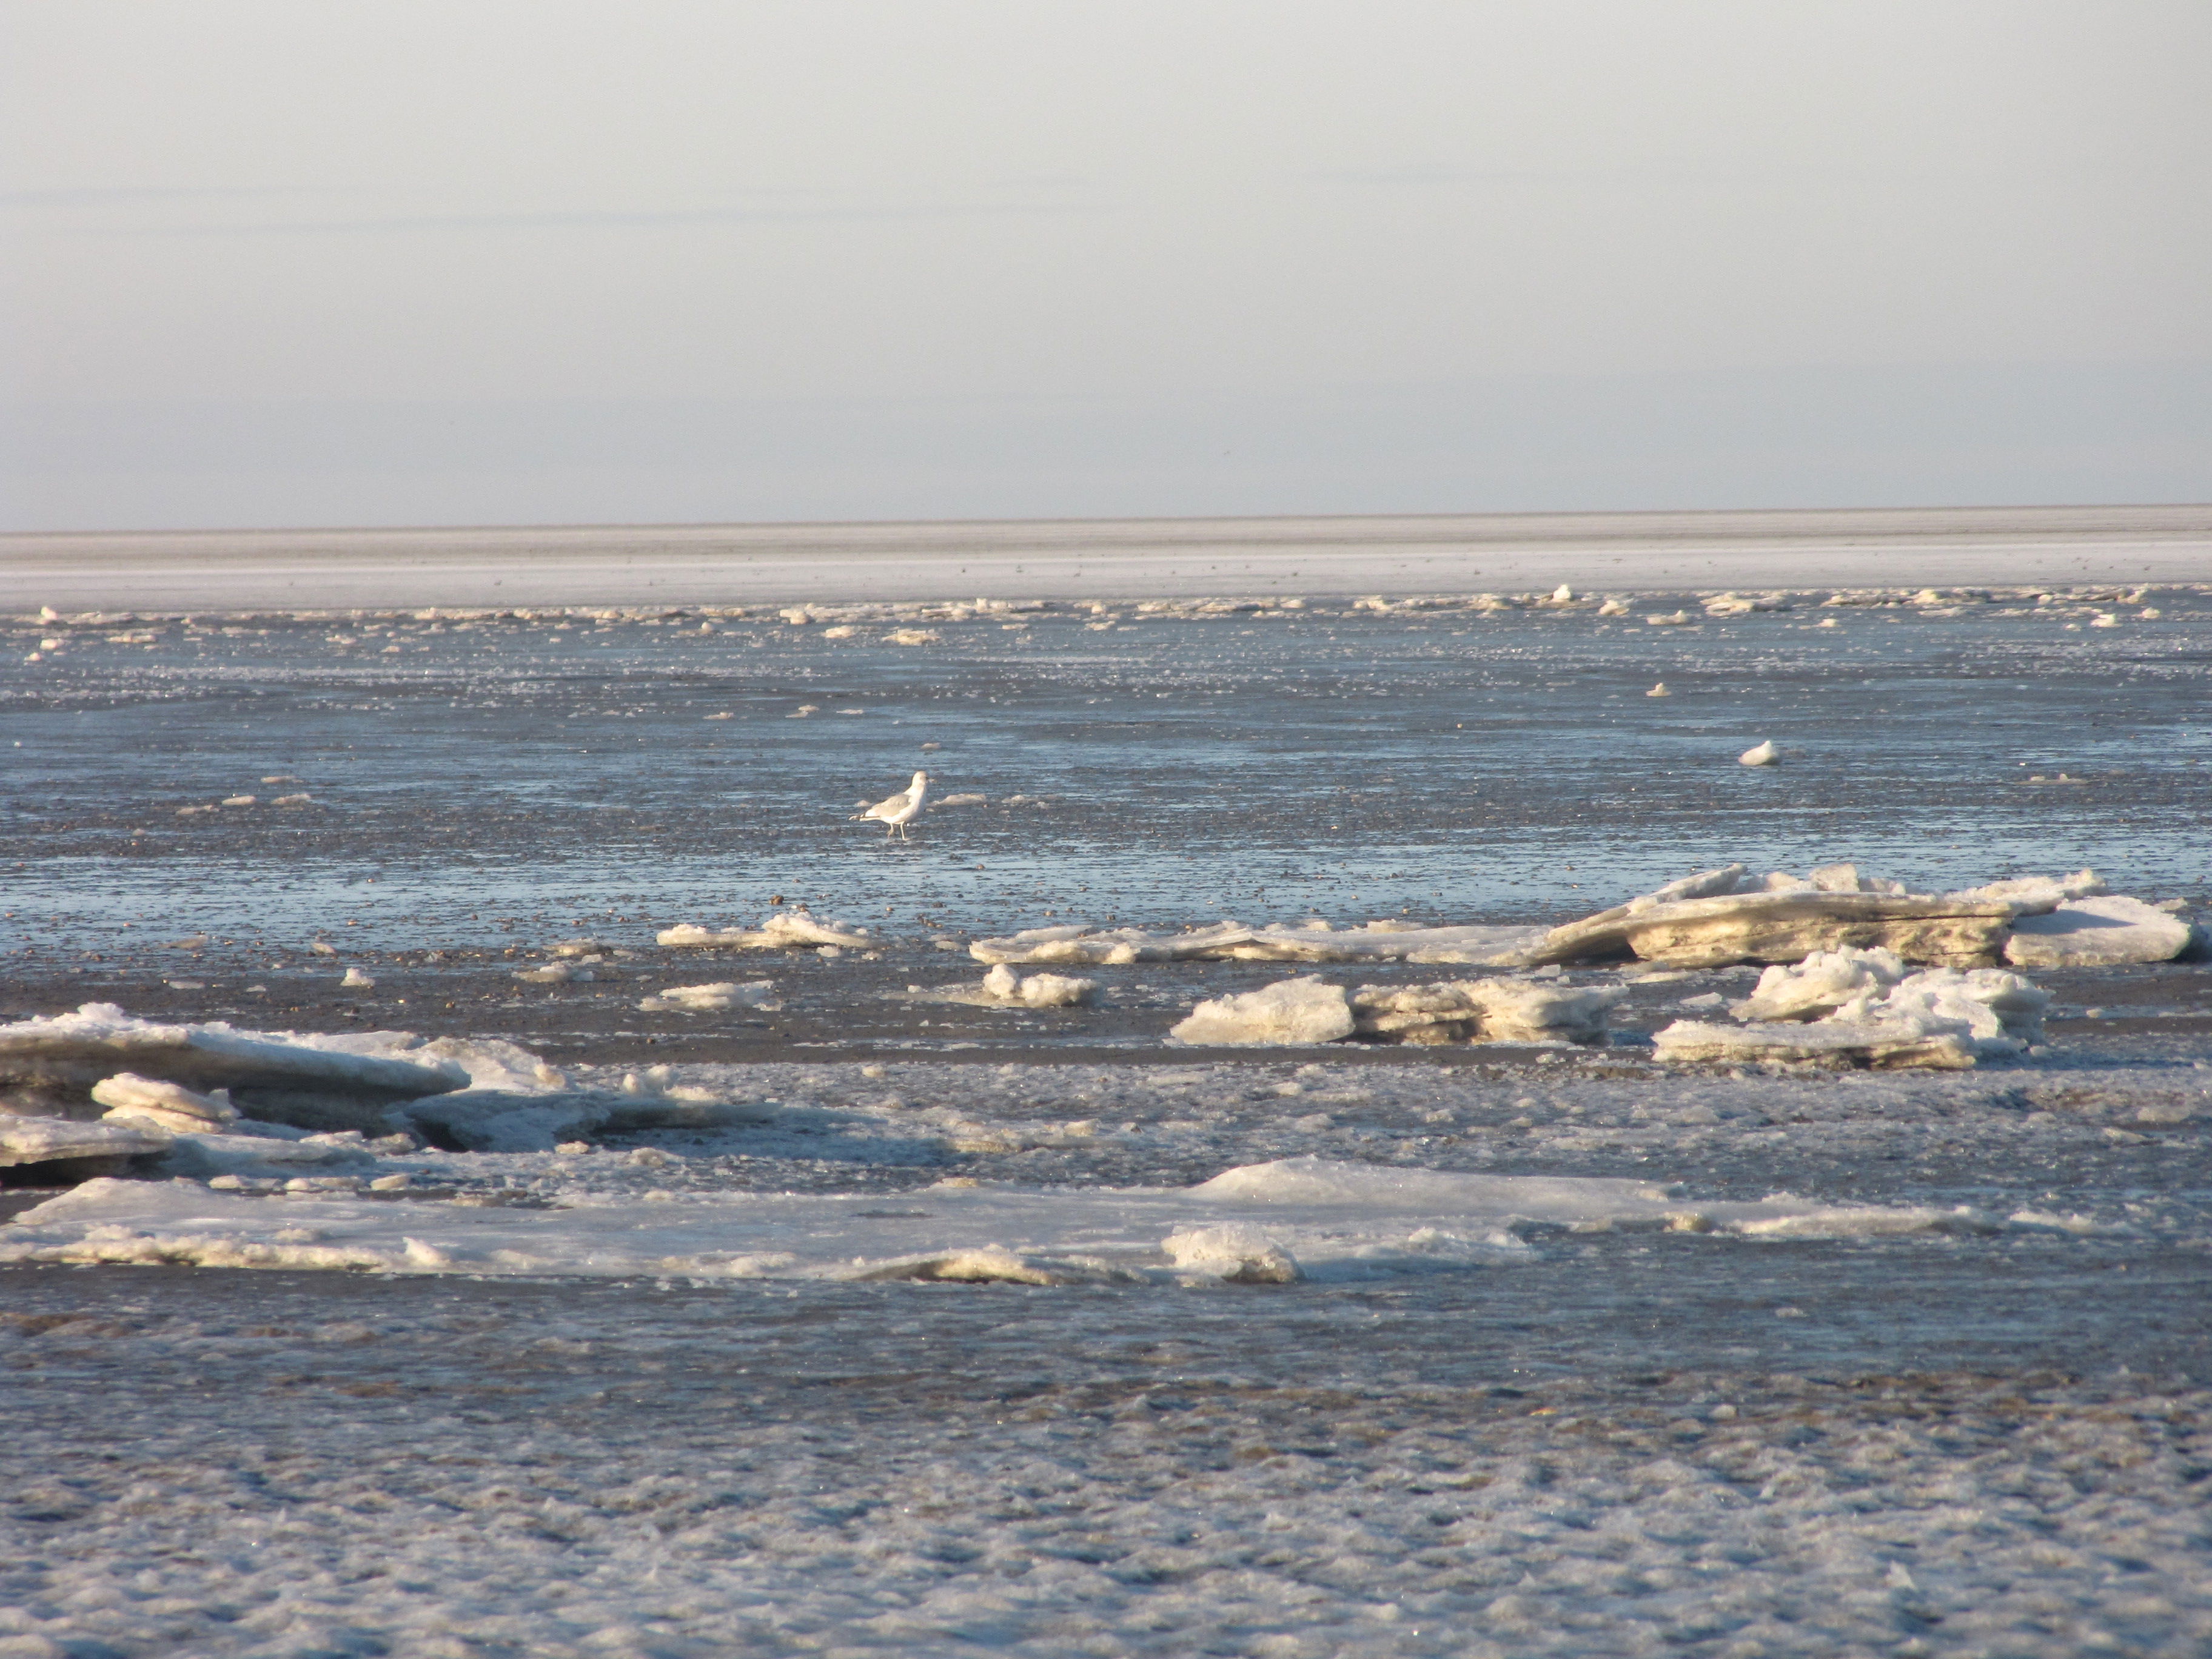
[{"x": 901, "y": 809}]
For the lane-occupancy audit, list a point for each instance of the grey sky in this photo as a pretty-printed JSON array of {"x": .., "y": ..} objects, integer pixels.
[{"x": 276, "y": 263}]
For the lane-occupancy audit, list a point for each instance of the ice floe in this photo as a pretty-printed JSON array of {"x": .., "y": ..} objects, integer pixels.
[
  {"x": 1856, "y": 1008},
  {"x": 2100, "y": 932},
  {"x": 718, "y": 997},
  {"x": 784, "y": 930},
  {"x": 1265, "y": 1224}
]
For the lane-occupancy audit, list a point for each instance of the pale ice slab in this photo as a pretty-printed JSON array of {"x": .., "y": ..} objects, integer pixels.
[
  {"x": 2102, "y": 931},
  {"x": 1333, "y": 1221}
]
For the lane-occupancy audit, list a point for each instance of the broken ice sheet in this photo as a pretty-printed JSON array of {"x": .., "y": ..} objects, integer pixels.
[{"x": 1329, "y": 1220}]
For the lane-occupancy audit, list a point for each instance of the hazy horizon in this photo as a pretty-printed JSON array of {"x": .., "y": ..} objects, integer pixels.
[{"x": 572, "y": 264}]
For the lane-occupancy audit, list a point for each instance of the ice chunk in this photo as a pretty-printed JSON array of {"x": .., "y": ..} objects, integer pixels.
[
  {"x": 1786, "y": 926},
  {"x": 1038, "y": 990},
  {"x": 961, "y": 800},
  {"x": 1235, "y": 1254},
  {"x": 1483, "y": 1010},
  {"x": 1761, "y": 754},
  {"x": 1823, "y": 982},
  {"x": 717, "y": 998},
  {"x": 356, "y": 980},
  {"x": 169, "y": 1106},
  {"x": 1290, "y": 1010},
  {"x": 51, "y": 1065},
  {"x": 2097, "y": 933},
  {"x": 790, "y": 929}
]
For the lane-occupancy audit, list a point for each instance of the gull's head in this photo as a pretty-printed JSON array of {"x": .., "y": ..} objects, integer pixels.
[{"x": 920, "y": 779}]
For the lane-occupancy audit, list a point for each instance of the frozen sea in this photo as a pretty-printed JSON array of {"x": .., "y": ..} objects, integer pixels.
[{"x": 1590, "y": 1355}]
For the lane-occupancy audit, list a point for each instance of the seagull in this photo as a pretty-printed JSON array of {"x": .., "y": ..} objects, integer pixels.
[{"x": 901, "y": 809}]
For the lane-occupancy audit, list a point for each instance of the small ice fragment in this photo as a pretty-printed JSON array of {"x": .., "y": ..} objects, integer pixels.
[
  {"x": 280, "y": 777},
  {"x": 134, "y": 1099},
  {"x": 554, "y": 973},
  {"x": 1763, "y": 754},
  {"x": 842, "y": 631},
  {"x": 723, "y": 715},
  {"x": 323, "y": 947},
  {"x": 911, "y": 636},
  {"x": 1235, "y": 1254},
  {"x": 240, "y": 800},
  {"x": 293, "y": 800},
  {"x": 803, "y": 711},
  {"x": 391, "y": 1183},
  {"x": 1659, "y": 690},
  {"x": 1303, "y": 1010},
  {"x": 357, "y": 980},
  {"x": 1038, "y": 990},
  {"x": 1562, "y": 594},
  {"x": 191, "y": 942}
]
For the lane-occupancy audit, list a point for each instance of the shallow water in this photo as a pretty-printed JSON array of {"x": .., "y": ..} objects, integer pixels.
[{"x": 1450, "y": 764}]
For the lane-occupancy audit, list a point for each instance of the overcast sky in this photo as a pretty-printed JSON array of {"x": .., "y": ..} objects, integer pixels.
[{"x": 464, "y": 262}]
